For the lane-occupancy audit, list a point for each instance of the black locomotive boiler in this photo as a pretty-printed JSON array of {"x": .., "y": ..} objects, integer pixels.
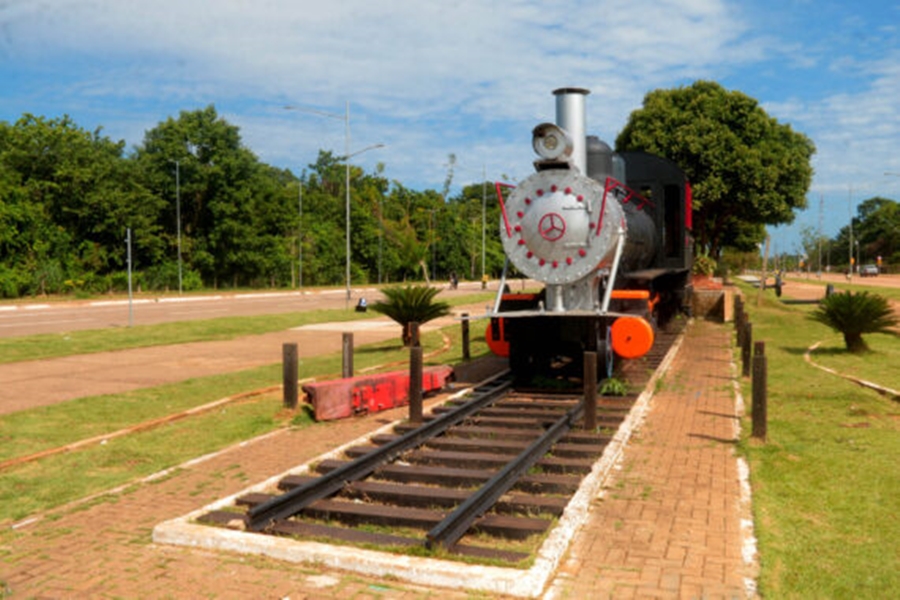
[{"x": 609, "y": 237}]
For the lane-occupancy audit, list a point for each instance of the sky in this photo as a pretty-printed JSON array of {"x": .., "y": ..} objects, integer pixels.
[{"x": 470, "y": 78}]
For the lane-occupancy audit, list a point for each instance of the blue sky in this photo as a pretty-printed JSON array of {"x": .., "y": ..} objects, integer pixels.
[{"x": 471, "y": 77}]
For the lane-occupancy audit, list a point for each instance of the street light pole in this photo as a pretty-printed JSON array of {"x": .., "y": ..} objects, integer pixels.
[
  {"x": 347, "y": 154},
  {"x": 347, "y": 199},
  {"x": 850, "y": 211},
  {"x": 178, "y": 216},
  {"x": 483, "y": 209},
  {"x": 300, "y": 234},
  {"x": 347, "y": 158}
]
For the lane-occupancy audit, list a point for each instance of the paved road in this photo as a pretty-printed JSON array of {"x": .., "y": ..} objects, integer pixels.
[{"x": 31, "y": 318}]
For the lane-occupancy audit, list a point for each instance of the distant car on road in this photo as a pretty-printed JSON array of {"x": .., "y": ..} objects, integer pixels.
[{"x": 868, "y": 271}]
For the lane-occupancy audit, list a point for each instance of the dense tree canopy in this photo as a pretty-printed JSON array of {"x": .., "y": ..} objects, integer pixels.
[
  {"x": 876, "y": 231},
  {"x": 67, "y": 196},
  {"x": 746, "y": 169}
]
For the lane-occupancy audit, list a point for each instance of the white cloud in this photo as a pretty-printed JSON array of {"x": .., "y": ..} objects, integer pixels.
[{"x": 470, "y": 77}]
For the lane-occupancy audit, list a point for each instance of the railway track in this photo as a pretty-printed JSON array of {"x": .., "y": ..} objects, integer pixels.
[{"x": 485, "y": 476}]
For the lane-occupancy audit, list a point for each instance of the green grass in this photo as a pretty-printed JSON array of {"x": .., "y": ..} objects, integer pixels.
[
  {"x": 49, "y": 482},
  {"x": 90, "y": 341},
  {"x": 884, "y": 349},
  {"x": 826, "y": 486}
]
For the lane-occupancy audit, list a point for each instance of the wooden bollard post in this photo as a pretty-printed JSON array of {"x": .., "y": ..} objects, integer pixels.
[
  {"x": 590, "y": 391},
  {"x": 289, "y": 374},
  {"x": 347, "y": 364},
  {"x": 415, "y": 384},
  {"x": 466, "y": 351},
  {"x": 760, "y": 395},
  {"x": 745, "y": 349}
]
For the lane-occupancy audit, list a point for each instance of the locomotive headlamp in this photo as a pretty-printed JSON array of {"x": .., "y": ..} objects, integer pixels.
[{"x": 551, "y": 142}]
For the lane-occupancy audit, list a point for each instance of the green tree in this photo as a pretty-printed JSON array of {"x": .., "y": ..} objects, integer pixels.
[
  {"x": 746, "y": 169},
  {"x": 876, "y": 231},
  {"x": 68, "y": 195},
  {"x": 237, "y": 214},
  {"x": 855, "y": 314}
]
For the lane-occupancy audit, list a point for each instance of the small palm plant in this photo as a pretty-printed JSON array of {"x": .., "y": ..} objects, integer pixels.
[
  {"x": 411, "y": 304},
  {"x": 855, "y": 314}
]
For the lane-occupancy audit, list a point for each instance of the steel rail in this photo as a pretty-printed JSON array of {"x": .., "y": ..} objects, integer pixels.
[
  {"x": 454, "y": 526},
  {"x": 292, "y": 502}
]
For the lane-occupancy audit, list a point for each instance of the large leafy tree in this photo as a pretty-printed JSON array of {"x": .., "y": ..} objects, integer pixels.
[
  {"x": 236, "y": 214},
  {"x": 66, "y": 197},
  {"x": 746, "y": 169},
  {"x": 876, "y": 229}
]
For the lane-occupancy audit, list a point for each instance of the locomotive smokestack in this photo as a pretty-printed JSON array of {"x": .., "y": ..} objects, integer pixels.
[{"x": 571, "y": 116}]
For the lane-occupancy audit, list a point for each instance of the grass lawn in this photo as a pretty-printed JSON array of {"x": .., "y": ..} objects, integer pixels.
[
  {"x": 36, "y": 347},
  {"x": 826, "y": 485},
  {"x": 48, "y": 483}
]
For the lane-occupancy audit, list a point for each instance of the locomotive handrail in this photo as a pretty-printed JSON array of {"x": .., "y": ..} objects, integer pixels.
[
  {"x": 612, "y": 184},
  {"x": 497, "y": 186},
  {"x": 607, "y": 294}
]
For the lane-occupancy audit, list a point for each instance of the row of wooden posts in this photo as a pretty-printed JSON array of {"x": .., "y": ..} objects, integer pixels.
[
  {"x": 291, "y": 379},
  {"x": 753, "y": 366}
]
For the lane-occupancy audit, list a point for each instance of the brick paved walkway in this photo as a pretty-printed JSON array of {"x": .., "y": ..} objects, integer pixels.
[
  {"x": 669, "y": 523},
  {"x": 668, "y": 526}
]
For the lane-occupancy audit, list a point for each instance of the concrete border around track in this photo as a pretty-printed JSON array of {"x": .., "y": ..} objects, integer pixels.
[{"x": 528, "y": 583}]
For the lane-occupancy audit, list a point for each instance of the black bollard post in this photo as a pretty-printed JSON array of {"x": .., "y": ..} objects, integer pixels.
[
  {"x": 415, "y": 384},
  {"x": 466, "y": 350},
  {"x": 289, "y": 375},
  {"x": 760, "y": 395},
  {"x": 745, "y": 349},
  {"x": 347, "y": 364},
  {"x": 590, "y": 391}
]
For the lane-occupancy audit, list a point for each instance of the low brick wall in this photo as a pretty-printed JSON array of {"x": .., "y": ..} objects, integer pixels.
[{"x": 717, "y": 305}]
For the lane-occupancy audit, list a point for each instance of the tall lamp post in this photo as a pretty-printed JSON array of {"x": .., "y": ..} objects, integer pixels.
[
  {"x": 178, "y": 215},
  {"x": 347, "y": 158},
  {"x": 347, "y": 155}
]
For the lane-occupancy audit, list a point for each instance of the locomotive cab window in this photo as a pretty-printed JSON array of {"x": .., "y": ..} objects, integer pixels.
[{"x": 673, "y": 233}]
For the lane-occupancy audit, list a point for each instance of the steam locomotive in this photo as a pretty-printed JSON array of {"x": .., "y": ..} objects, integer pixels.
[{"x": 609, "y": 236}]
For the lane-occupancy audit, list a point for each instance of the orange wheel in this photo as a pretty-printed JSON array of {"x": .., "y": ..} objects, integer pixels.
[{"x": 632, "y": 337}]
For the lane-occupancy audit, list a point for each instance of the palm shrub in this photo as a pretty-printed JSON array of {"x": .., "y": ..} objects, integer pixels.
[
  {"x": 411, "y": 304},
  {"x": 855, "y": 314}
]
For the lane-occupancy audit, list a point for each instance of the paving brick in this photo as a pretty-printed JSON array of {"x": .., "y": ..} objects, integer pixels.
[{"x": 667, "y": 527}]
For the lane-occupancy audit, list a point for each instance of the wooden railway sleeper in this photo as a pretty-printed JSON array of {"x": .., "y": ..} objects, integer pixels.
[
  {"x": 451, "y": 529},
  {"x": 292, "y": 502}
]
